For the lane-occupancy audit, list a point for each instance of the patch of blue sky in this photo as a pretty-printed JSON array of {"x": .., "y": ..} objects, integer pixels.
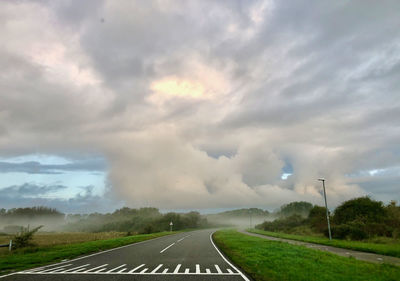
[
  {"x": 74, "y": 181},
  {"x": 284, "y": 176}
]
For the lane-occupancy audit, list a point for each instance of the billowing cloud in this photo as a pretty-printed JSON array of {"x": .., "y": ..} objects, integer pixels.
[{"x": 204, "y": 104}]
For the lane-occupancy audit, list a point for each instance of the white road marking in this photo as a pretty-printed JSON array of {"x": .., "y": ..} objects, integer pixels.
[
  {"x": 100, "y": 270},
  {"x": 177, "y": 268},
  {"x": 234, "y": 267},
  {"x": 218, "y": 269},
  {"x": 230, "y": 271},
  {"x": 94, "y": 268},
  {"x": 88, "y": 256},
  {"x": 115, "y": 268},
  {"x": 144, "y": 270},
  {"x": 79, "y": 270},
  {"x": 122, "y": 270},
  {"x": 197, "y": 269},
  {"x": 165, "y": 271},
  {"x": 208, "y": 270},
  {"x": 136, "y": 268},
  {"x": 182, "y": 238},
  {"x": 187, "y": 270},
  {"x": 74, "y": 268},
  {"x": 56, "y": 268},
  {"x": 157, "y": 268},
  {"x": 167, "y": 247}
]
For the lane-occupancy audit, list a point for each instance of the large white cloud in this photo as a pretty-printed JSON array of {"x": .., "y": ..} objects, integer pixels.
[{"x": 203, "y": 103}]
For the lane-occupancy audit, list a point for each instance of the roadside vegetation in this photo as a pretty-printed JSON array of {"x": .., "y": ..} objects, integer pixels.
[
  {"x": 389, "y": 247},
  {"x": 35, "y": 256},
  {"x": 360, "y": 224},
  {"x": 270, "y": 260}
]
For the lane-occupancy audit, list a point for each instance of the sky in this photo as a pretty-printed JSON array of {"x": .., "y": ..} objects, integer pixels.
[{"x": 198, "y": 105}]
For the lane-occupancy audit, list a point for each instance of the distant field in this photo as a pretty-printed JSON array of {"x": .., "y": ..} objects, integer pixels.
[
  {"x": 270, "y": 260},
  {"x": 389, "y": 247},
  {"x": 62, "y": 238},
  {"x": 47, "y": 252}
]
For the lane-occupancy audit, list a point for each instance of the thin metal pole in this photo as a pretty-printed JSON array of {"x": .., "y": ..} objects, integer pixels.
[
  {"x": 327, "y": 212},
  {"x": 10, "y": 246}
]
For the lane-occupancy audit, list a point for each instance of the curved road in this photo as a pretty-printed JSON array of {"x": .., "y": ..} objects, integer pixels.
[{"x": 183, "y": 256}]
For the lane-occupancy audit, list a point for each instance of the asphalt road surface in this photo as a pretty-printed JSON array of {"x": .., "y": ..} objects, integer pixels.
[{"x": 184, "y": 256}]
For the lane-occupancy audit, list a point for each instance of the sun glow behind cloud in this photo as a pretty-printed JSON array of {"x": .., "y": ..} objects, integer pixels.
[{"x": 175, "y": 87}]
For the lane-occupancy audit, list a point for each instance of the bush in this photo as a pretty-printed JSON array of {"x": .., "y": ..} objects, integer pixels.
[
  {"x": 317, "y": 219},
  {"x": 283, "y": 224},
  {"x": 348, "y": 231},
  {"x": 363, "y": 208},
  {"x": 24, "y": 238},
  {"x": 295, "y": 208}
]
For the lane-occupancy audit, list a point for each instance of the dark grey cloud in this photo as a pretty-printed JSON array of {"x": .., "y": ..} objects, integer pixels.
[
  {"x": 29, "y": 195},
  {"x": 27, "y": 190},
  {"x": 34, "y": 167}
]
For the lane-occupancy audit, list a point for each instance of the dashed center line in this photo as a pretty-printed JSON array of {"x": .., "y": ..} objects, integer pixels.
[{"x": 167, "y": 248}]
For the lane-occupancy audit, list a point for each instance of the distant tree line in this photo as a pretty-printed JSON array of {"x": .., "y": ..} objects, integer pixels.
[
  {"x": 143, "y": 220},
  {"x": 355, "y": 219}
]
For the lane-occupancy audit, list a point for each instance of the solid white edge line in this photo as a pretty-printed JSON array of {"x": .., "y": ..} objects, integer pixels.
[
  {"x": 91, "y": 255},
  {"x": 167, "y": 248},
  {"x": 135, "y": 273},
  {"x": 234, "y": 267}
]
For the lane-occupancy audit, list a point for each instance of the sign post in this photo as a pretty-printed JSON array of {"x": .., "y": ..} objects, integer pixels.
[{"x": 170, "y": 226}]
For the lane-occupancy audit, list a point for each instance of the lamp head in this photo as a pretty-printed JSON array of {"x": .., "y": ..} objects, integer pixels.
[{"x": 321, "y": 179}]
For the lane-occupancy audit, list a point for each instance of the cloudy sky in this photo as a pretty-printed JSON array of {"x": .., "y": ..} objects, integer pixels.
[{"x": 202, "y": 105}]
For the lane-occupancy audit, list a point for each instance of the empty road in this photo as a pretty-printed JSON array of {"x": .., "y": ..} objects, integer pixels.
[{"x": 184, "y": 256}]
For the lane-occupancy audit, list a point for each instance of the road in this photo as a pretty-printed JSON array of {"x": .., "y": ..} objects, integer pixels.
[{"x": 184, "y": 256}]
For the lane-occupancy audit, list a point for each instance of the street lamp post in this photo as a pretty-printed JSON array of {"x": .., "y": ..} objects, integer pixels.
[{"x": 326, "y": 207}]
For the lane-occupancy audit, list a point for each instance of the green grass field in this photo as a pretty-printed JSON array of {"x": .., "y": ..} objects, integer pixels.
[
  {"x": 42, "y": 255},
  {"x": 270, "y": 260},
  {"x": 391, "y": 248}
]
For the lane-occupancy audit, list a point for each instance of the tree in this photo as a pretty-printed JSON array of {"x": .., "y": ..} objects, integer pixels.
[
  {"x": 317, "y": 218},
  {"x": 300, "y": 208},
  {"x": 362, "y": 209}
]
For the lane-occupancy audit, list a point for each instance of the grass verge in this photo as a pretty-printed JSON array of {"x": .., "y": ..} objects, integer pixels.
[
  {"x": 270, "y": 260},
  {"x": 37, "y": 256},
  {"x": 391, "y": 249}
]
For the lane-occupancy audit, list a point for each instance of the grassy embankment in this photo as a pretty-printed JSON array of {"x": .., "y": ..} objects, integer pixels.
[
  {"x": 270, "y": 260},
  {"x": 389, "y": 247},
  {"x": 67, "y": 248}
]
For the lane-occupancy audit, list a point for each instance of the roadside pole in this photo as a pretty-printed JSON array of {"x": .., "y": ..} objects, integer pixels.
[
  {"x": 326, "y": 207},
  {"x": 170, "y": 226},
  {"x": 10, "y": 246}
]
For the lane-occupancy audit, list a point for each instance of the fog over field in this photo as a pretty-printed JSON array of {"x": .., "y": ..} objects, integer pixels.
[{"x": 198, "y": 105}]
